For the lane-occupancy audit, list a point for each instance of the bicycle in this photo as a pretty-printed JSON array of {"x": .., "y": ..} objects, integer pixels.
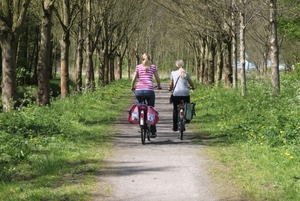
[
  {"x": 142, "y": 115},
  {"x": 144, "y": 127},
  {"x": 181, "y": 118},
  {"x": 182, "y": 114}
]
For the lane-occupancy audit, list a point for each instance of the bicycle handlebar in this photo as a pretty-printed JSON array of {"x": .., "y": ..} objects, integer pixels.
[{"x": 190, "y": 88}]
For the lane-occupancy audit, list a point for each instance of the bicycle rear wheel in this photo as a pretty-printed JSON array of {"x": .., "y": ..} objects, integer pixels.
[
  {"x": 181, "y": 128},
  {"x": 148, "y": 133},
  {"x": 143, "y": 134}
]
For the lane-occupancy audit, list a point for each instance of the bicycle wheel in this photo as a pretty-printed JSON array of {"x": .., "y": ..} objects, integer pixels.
[
  {"x": 143, "y": 134},
  {"x": 148, "y": 132},
  {"x": 181, "y": 128}
]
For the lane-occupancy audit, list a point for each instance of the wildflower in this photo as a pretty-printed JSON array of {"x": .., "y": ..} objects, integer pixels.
[
  {"x": 281, "y": 132},
  {"x": 287, "y": 154},
  {"x": 291, "y": 157}
]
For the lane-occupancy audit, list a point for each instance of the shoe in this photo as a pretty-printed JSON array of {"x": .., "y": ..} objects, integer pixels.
[
  {"x": 175, "y": 129},
  {"x": 153, "y": 135},
  {"x": 187, "y": 121}
]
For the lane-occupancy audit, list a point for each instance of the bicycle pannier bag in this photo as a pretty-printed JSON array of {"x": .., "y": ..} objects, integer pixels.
[
  {"x": 189, "y": 111},
  {"x": 152, "y": 116},
  {"x": 133, "y": 116}
]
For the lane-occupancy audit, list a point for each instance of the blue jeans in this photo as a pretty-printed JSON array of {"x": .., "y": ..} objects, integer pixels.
[{"x": 150, "y": 97}]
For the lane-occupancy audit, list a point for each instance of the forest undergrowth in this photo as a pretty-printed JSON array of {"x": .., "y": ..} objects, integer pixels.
[{"x": 254, "y": 139}]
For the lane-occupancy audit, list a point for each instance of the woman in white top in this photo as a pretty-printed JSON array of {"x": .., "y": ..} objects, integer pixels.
[{"x": 180, "y": 80}]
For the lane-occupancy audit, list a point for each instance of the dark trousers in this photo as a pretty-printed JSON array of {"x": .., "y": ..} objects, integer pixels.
[{"x": 176, "y": 101}]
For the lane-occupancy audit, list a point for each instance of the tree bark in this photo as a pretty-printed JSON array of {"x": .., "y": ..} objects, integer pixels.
[
  {"x": 274, "y": 53},
  {"x": 211, "y": 59},
  {"x": 234, "y": 46},
  {"x": 242, "y": 48},
  {"x": 227, "y": 64},
  {"x": 79, "y": 54},
  {"x": 219, "y": 63},
  {"x": 44, "y": 63},
  {"x": 89, "y": 63},
  {"x": 65, "y": 48},
  {"x": 12, "y": 18}
]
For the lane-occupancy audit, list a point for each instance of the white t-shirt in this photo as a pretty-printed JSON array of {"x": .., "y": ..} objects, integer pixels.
[{"x": 181, "y": 88}]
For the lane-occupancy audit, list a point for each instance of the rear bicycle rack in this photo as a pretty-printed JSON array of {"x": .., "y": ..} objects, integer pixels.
[{"x": 142, "y": 118}]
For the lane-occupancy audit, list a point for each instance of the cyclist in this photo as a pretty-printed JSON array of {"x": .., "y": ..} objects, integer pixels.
[
  {"x": 179, "y": 78},
  {"x": 144, "y": 88}
]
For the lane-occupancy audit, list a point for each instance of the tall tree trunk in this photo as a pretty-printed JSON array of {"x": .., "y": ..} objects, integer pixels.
[
  {"x": 100, "y": 54},
  {"x": 44, "y": 63},
  {"x": 89, "y": 62},
  {"x": 274, "y": 54},
  {"x": 234, "y": 46},
  {"x": 227, "y": 64},
  {"x": 206, "y": 59},
  {"x": 119, "y": 67},
  {"x": 65, "y": 48},
  {"x": 242, "y": 47},
  {"x": 9, "y": 82},
  {"x": 79, "y": 53},
  {"x": 12, "y": 19},
  {"x": 129, "y": 61},
  {"x": 202, "y": 61},
  {"x": 111, "y": 69},
  {"x": 211, "y": 62},
  {"x": 219, "y": 63},
  {"x": 106, "y": 66}
]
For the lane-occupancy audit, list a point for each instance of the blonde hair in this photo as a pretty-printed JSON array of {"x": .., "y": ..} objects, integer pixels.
[
  {"x": 179, "y": 64},
  {"x": 146, "y": 61}
]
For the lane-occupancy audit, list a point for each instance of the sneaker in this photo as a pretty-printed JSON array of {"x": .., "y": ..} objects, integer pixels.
[
  {"x": 174, "y": 129},
  {"x": 153, "y": 135}
]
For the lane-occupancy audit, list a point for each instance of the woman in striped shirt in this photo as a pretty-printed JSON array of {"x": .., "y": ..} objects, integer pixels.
[{"x": 144, "y": 88}]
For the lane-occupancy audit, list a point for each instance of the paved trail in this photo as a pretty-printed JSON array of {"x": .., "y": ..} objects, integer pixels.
[{"x": 165, "y": 169}]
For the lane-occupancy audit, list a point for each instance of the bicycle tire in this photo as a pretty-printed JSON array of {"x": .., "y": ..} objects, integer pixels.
[
  {"x": 143, "y": 135},
  {"x": 181, "y": 129},
  {"x": 148, "y": 133}
]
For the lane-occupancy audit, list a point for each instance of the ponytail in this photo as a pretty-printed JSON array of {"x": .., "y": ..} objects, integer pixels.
[
  {"x": 182, "y": 72},
  {"x": 146, "y": 62}
]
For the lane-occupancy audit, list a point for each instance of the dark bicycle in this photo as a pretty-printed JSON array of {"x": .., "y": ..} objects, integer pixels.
[
  {"x": 185, "y": 111},
  {"x": 181, "y": 118}
]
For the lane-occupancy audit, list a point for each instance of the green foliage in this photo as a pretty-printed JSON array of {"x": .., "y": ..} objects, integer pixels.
[
  {"x": 51, "y": 146},
  {"x": 257, "y": 136},
  {"x": 289, "y": 28}
]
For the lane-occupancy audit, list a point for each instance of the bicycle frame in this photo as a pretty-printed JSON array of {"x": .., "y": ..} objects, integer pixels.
[
  {"x": 144, "y": 127},
  {"x": 181, "y": 120}
]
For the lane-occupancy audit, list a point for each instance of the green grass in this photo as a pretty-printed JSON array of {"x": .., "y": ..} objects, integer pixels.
[
  {"x": 254, "y": 140},
  {"x": 55, "y": 152}
]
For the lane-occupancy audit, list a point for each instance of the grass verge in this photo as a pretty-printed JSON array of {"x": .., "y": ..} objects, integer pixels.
[
  {"x": 54, "y": 153},
  {"x": 254, "y": 140}
]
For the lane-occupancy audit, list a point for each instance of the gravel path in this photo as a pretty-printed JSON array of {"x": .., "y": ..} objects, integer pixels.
[{"x": 164, "y": 169}]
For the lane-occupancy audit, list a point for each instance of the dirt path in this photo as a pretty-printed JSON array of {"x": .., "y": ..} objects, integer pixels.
[{"x": 165, "y": 169}]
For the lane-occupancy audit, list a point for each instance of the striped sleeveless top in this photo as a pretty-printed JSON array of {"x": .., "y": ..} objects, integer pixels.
[{"x": 145, "y": 79}]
